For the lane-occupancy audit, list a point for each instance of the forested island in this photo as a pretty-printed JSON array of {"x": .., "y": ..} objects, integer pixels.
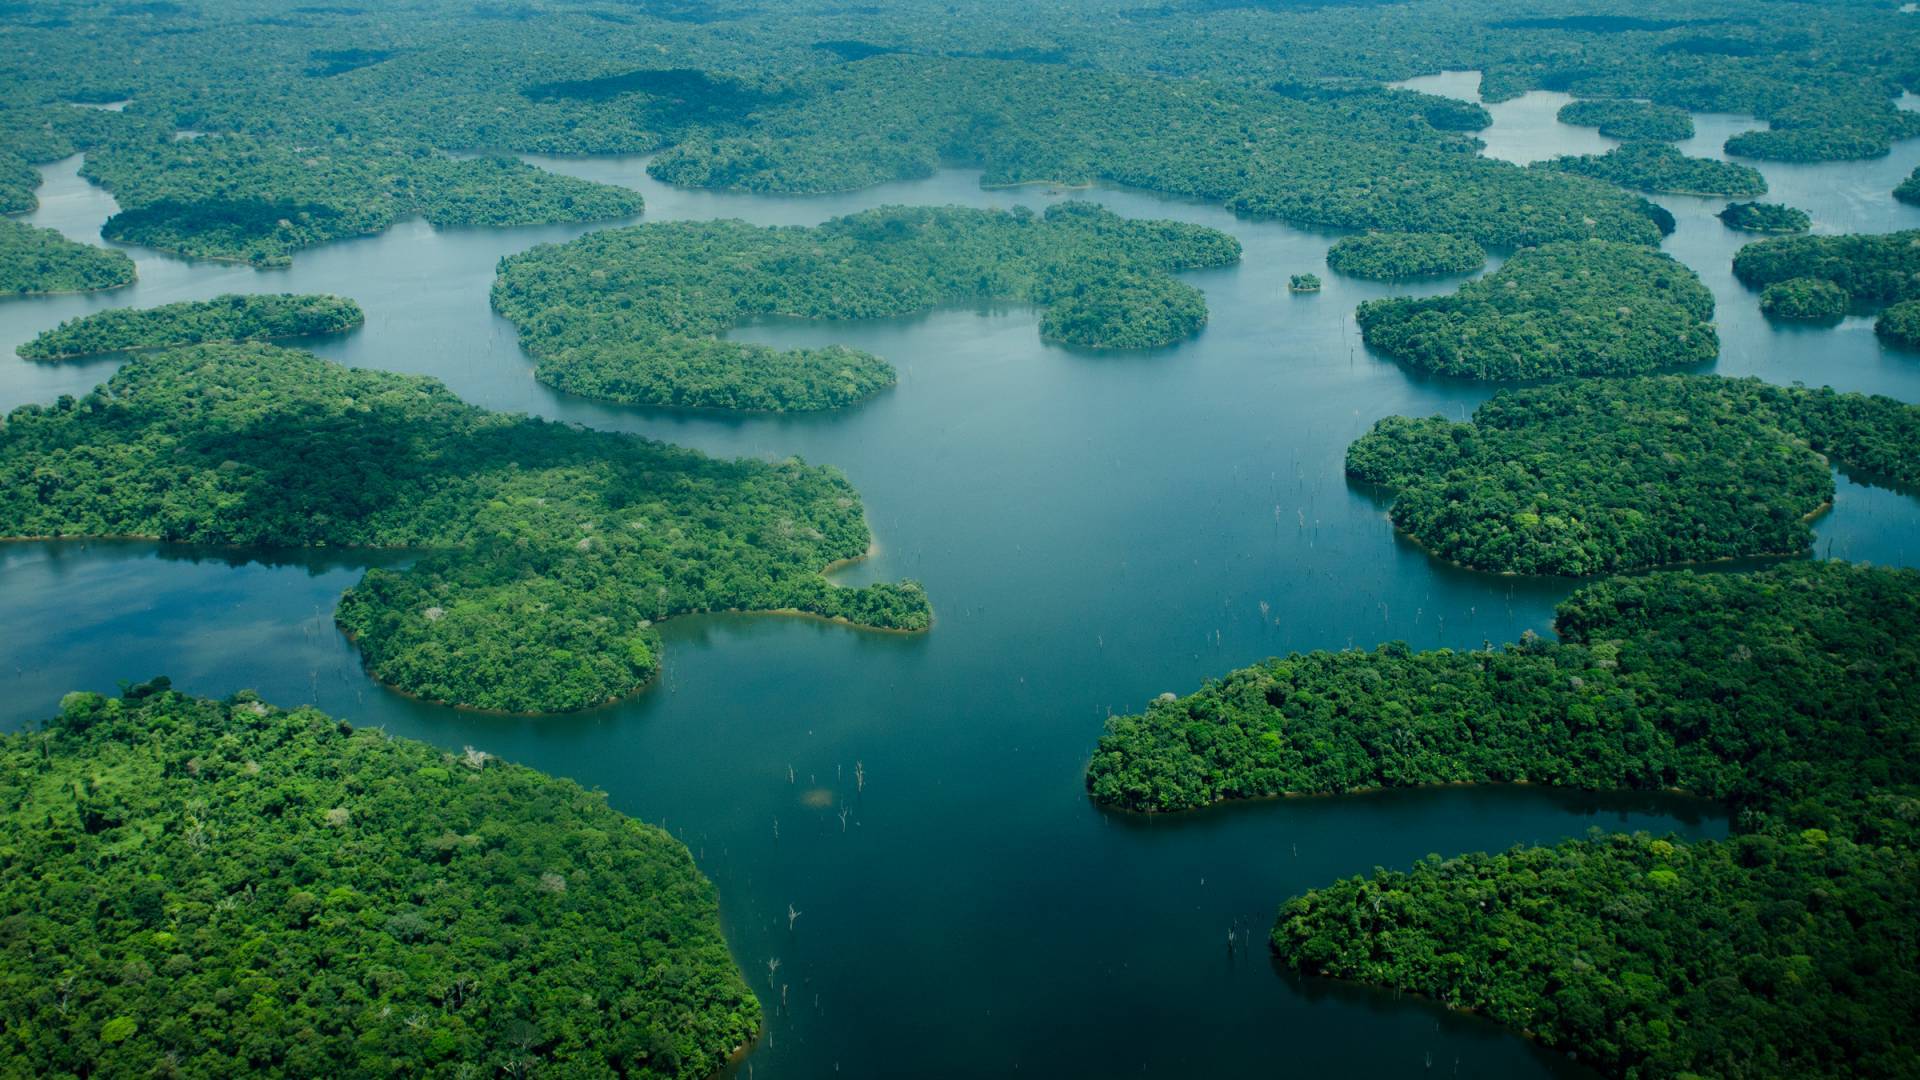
[
  {"x": 36, "y": 261},
  {"x": 1629, "y": 121},
  {"x": 260, "y": 200},
  {"x": 547, "y": 551},
  {"x": 633, "y": 315},
  {"x": 1805, "y": 300},
  {"x": 1303, "y": 283},
  {"x": 229, "y": 318},
  {"x": 231, "y": 888},
  {"x": 1781, "y": 693},
  {"x": 1868, "y": 269},
  {"x": 1908, "y": 190},
  {"x": 1598, "y": 476},
  {"x": 1400, "y": 256},
  {"x": 1591, "y": 308},
  {"x": 1661, "y": 169},
  {"x": 1900, "y": 324},
  {"x": 1765, "y": 218}
]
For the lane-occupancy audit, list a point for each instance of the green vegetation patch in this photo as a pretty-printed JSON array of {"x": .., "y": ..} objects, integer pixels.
[
  {"x": 1629, "y": 120},
  {"x": 1908, "y": 190},
  {"x": 1399, "y": 256},
  {"x": 1872, "y": 268},
  {"x": 633, "y": 315},
  {"x": 1361, "y": 161},
  {"x": 232, "y": 888},
  {"x": 1804, "y": 299},
  {"x": 1307, "y": 283},
  {"x": 549, "y": 550},
  {"x": 1900, "y": 324},
  {"x": 1659, "y": 168},
  {"x": 35, "y": 260},
  {"x": 1599, "y": 476},
  {"x": 227, "y": 318},
  {"x": 1765, "y": 217},
  {"x": 260, "y": 200},
  {"x": 1590, "y": 308}
]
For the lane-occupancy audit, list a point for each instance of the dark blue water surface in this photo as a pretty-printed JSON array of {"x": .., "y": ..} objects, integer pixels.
[{"x": 1093, "y": 530}]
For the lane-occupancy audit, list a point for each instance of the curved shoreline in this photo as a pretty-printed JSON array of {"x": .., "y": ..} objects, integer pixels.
[{"x": 131, "y": 349}]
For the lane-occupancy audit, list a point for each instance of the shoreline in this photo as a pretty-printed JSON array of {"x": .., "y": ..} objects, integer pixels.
[
  {"x": 1381, "y": 789},
  {"x": 131, "y": 349}
]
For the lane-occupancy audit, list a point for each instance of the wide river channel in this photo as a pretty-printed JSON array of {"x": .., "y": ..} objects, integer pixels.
[{"x": 1093, "y": 530}]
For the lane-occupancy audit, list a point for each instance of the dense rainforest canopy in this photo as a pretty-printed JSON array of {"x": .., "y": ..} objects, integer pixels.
[
  {"x": 1629, "y": 120},
  {"x": 1900, "y": 324},
  {"x": 1597, "y": 476},
  {"x": 34, "y": 260},
  {"x": 1908, "y": 190},
  {"x": 1659, "y": 168},
  {"x": 1805, "y": 299},
  {"x": 1870, "y": 268},
  {"x": 632, "y": 315},
  {"x": 230, "y": 888},
  {"x": 227, "y": 318},
  {"x": 1765, "y": 217},
  {"x": 548, "y": 549},
  {"x": 1398, "y": 256},
  {"x": 1591, "y": 308},
  {"x": 1786, "y": 950}
]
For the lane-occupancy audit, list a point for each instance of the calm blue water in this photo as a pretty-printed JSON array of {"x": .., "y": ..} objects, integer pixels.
[{"x": 1093, "y": 529}]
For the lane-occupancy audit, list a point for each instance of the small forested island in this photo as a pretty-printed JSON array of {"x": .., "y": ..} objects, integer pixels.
[
  {"x": 228, "y": 318},
  {"x": 548, "y": 551},
  {"x": 1804, "y": 299},
  {"x": 1765, "y": 217},
  {"x": 1900, "y": 324},
  {"x": 1598, "y": 476},
  {"x": 1587, "y": 308},
  {"x": 259, "y": 200},
  {"x": 35, "y": 261},
  {"x": 1629, "y": 121},
  {"x": 1303, "y": 283},
  {"x": 226, "y": 888},
  {"x": 1807, "y": 142},
  {"x": 1661, "y": 169},
  {"x": 1383, "y": 256},
  {"x": 1782, "y": 694},
  {"x": 1908, "y": 190},
  {"x": 633, "y": 315},
  {"x": 1872, "y": 268}
]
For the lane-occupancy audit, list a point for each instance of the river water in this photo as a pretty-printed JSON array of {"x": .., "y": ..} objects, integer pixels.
[{"x": 1093, "y": 530}]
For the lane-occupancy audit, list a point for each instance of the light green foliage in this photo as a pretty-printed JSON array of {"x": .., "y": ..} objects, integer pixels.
[
  {"x": 1870, "y": 268},
  {"x": 1766, "y": 217},
  {"x": 34, "y": 260},
  {"x": 551, "y": 549},
  {"x": 1807, "y": 299},
  {"x": 632, "y": 315},
  {"x": 1900, "y": 324},
  {"x": 1398, "y": 256},
  {"x": 260, "y": 200},
  {"x": 1304, "y": 282},
  {"x": 1605, "y": 475},
  {"x": 1629, "y": 120},
  {"x": 1659, "y": 168},
  {"x": 1592, "y": 308},
  {"x": 234, "y": 889},
  {"x": 227, "y": 318}
]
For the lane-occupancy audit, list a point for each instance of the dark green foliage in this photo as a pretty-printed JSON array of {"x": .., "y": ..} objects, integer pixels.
[
  {"x": 1873, "y": 268},
  {"x": 222, "y": 319},
  {"x": 1397, "y": 256},
  {"x": 1591, "y": 308},
  {"x": 1820, "y": 143},
  {"x": 1604, "y": 475},
  {"x": 1357, "y": 161},
  {"x": 233, "y": 889},
  {"x": 233, "y": 197},
  {"x": 1908, "y": 190},
  {"x": 1765, "y": 217},
  {"x": 1659, "y": 168},
  {"x": 1809, "y": 299},
  {"x": 1452, "y": 114},
  {"x": 1629, "y": 120},
  {"x": 632, "y": 315},
  {"x": 551, "y": 549},
  {"x": 34, "y": 260},
  {"x": 1304, "y": 283},
  {"x": 1900, "y": 324}
]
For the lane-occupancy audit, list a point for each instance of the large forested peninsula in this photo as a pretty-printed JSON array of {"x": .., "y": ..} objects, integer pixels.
[
  {"x": 1597, "y": 476},
  {"x": 1589, "y": 308},
  {"x": 1399, "y": 256},
  {"x": 260, "y": 200},
  {"x": 548, "y": 550},
  {"x": 34, "y": 261},
  {"x": 1870, "y": 268},
  {"x": 1658, "y": 168},
  {"x": 229, "y": 318},
  {"x": 632, "y": 315},
  {"x": 1785, "y": 950},
  {"x": 221, "y": 888},
  {"x": 1629, "y": 120}
]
